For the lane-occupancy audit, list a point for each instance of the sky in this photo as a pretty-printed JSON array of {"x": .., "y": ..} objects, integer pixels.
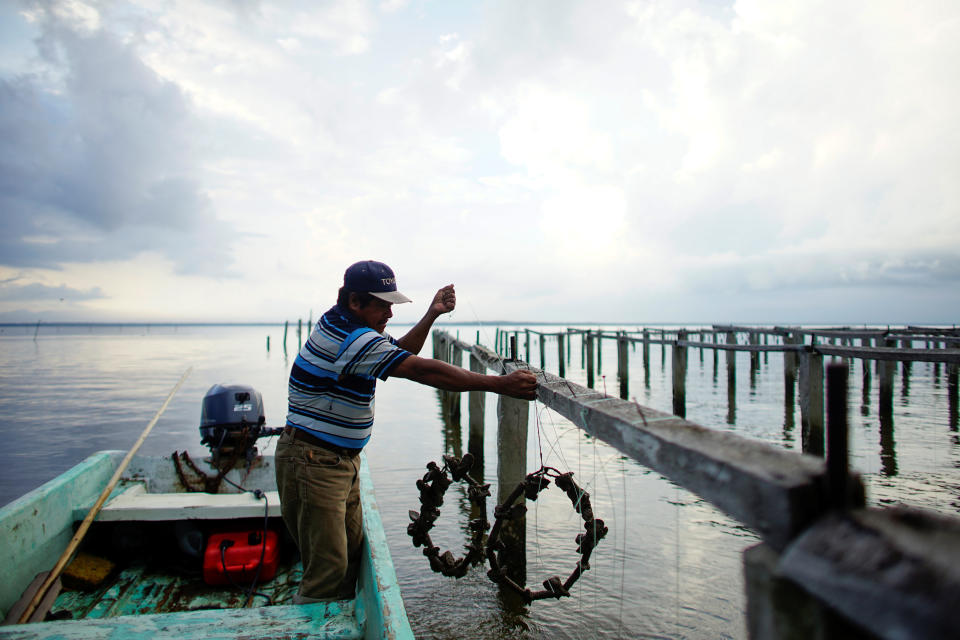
[{"x": 637, "y": 162}]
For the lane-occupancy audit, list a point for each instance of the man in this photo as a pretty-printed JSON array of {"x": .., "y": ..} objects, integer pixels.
[{"x": 330, "y": 419}]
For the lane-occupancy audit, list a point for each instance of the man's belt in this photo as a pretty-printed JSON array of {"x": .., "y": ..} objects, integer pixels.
[{"x": 303, "y": 436}]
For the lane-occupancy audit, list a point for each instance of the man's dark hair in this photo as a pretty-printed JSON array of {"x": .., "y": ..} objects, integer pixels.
[{"x": 343, "y": 298}]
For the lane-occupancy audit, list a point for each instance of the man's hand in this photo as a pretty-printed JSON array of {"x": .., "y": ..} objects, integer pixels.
[
  {"x": 520, "y": 384},
  {"x": 445, "y": 301}
]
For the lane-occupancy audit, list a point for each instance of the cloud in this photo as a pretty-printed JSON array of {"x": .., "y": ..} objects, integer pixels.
[
  {"x": 12, "y": 293},
  {"x": 97, "y": 158},
  {"x": 573, "y": 154}
]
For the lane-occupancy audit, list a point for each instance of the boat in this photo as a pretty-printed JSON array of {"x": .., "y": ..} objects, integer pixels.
[{"x": 147, "y": 568}]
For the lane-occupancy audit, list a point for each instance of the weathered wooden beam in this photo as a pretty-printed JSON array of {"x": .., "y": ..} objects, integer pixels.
[
  {"x": 895, "y": 572},
  {"x": 891, "y": 353},
  {"x": 775, "y": 492}
]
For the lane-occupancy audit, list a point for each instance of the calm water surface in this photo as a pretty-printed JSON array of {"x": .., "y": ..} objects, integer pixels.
[{"x": 670, "y": 566}]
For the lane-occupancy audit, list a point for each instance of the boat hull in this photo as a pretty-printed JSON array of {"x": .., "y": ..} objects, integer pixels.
[{"x": 37, "y": 527}]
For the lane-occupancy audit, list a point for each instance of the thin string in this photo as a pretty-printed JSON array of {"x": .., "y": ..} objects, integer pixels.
[{"x": 676, "y": 569}]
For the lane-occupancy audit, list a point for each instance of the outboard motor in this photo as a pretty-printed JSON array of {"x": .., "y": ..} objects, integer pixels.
[{"x": 231, "y": 421}]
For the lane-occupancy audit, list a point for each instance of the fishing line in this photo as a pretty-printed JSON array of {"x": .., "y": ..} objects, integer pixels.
[{"x": 676, "y": 568}]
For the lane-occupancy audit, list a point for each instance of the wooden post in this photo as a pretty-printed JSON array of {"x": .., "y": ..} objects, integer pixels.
[
  {"x": 512, "y": 418},
  {"x": 789, "y": 383},
  {"x": 716, "y": 354},
  {"x": 754, "y": 339},
  {"x": 811, "y": 402},
  {"x": 476, "y": 404},
  {"x": 623, "y": 365},
  {"x": 299, "y": 333},
  {"x": 779, "y": 609},
  {"x": 526, "y": 345},
  {"x": 906, "y": 365},
  {"x": 646, "y": 358},
  {"x": 562, "y": 368},
  {"x": 543, "y": 356},
  {"x": 731, "y": 379},
  {"x": 268, "y": 344},
  {"x": 599, "y": 350},
  {"x": 865, "y": 402},
  {"x": 286, "y": 325},
  {"x": 838, "y": 478},
  {"x": 588, "y": 340},
  {"x": 663, "y": 349},
  {"x": 680, "y": 376},
  {"x": 886, "y": 373}
]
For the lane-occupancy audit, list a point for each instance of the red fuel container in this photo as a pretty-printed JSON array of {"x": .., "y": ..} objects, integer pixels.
[{"x": 241, "y": 555}]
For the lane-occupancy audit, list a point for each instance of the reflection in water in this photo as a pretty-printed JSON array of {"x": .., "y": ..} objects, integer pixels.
[
  {"x": 952, "y": 376},
  {"x": 865, "y": 402},
  {"x": 905, "y": 388},
  {"x": 450, "y": 413}
]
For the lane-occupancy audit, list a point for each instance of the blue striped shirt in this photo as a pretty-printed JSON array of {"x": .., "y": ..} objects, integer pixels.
[{"x": 334, "y": 377}]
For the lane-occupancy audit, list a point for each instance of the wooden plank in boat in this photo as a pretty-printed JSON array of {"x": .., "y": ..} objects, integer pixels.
[{"x": 136, "y": 504}]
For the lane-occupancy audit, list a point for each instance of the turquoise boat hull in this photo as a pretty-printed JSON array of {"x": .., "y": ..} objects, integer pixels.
[{"x": 152, "y": 603}]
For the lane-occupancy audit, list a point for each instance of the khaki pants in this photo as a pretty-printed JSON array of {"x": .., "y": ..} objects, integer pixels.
[{"x": 320, "y": 502}]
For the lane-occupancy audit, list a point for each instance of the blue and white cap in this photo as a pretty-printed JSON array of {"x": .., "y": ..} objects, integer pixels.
[{"x": 374, "y": 278}]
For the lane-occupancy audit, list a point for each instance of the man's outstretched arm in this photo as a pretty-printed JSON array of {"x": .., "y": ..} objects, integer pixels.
[{"x": 435, "y": 373}]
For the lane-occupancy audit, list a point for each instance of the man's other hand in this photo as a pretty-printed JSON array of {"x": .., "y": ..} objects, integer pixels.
[{"x": 445, "y": 301}]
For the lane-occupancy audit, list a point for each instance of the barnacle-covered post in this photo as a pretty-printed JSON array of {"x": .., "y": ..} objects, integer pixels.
[{"x": 512, "y": 418}]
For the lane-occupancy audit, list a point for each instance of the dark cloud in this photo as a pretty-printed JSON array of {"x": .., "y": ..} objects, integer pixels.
[{"x": 97, "y": 161}]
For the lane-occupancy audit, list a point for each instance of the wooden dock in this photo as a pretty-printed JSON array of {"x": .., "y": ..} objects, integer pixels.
[{"x": 828, "y": 566}]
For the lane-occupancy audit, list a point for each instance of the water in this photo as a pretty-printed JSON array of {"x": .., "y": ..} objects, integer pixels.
[{"x": 670, "y": 566}]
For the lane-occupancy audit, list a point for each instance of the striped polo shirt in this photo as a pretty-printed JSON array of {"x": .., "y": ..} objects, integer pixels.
[{"x": 334, "y": 377}]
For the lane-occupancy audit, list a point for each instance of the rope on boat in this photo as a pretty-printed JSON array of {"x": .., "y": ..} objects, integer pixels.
[
  {"x": 432, "y": 487},
  {"x": 210, "y": 483}
]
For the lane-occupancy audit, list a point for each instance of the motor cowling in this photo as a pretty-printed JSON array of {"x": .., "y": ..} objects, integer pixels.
[{"x": 231, "y": 420}]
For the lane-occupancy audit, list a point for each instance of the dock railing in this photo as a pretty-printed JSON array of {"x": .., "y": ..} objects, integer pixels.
[{"x": 828, "y": 567}]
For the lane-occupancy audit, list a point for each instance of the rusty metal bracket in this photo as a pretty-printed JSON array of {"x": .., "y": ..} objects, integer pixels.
[
  {"x": 594, "y": 531},
  {"x": 432, "y": 488}
]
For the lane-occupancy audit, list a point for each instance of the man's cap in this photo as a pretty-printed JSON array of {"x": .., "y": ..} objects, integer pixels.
[{"x": 375, "y": 278}]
